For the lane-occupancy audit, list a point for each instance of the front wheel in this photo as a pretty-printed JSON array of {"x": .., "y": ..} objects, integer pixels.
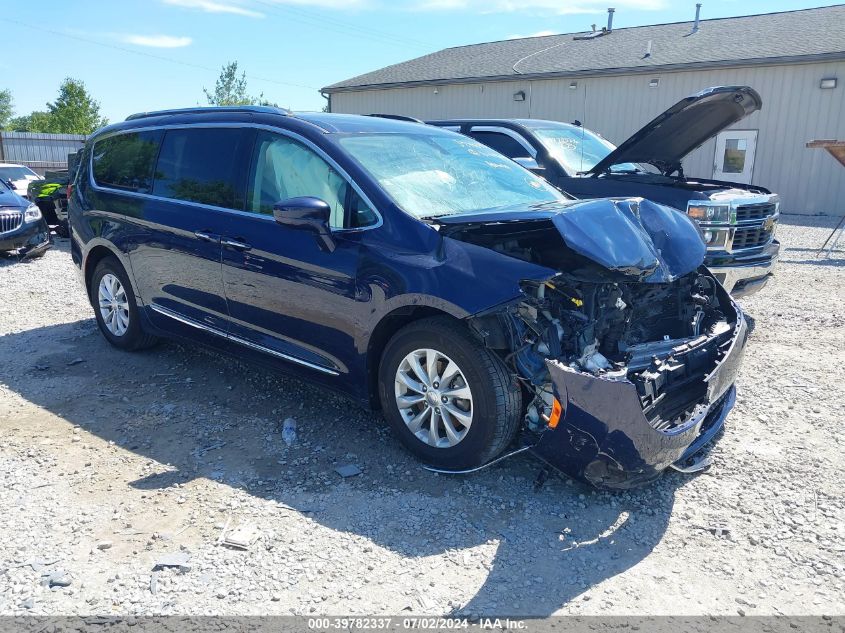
[
  {"x": 115, "y": 307},
  {"x": 449, "y": 399}
]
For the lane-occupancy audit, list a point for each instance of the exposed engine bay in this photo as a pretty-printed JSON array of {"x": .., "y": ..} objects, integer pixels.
[
  {"x": 626, "y": 346},
  {"x": 664, "y": 338}
]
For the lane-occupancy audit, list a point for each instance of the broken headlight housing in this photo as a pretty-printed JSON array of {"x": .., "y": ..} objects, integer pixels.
[{"x": 708, "y": 212}]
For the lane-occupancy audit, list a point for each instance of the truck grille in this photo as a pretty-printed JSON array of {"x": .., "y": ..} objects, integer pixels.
[
  {"x": 10, "y": 220},
  {"x": 751, "y": 237},
  {"x": 747, "y": 212}
]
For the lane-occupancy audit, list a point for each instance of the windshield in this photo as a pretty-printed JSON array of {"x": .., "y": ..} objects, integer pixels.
[
  {"x": 17, "y": 173},
  {"x": 431, "y": 175},
  {"x": 579, "y": 150}
]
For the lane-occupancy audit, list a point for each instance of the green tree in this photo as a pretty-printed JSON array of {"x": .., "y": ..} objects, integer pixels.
[
  {"x": 37, "y": 121},
  {"x": 74, "y": 111},
  {"x": 230, "y": 89},
  {"x": 5, "y": 107}
]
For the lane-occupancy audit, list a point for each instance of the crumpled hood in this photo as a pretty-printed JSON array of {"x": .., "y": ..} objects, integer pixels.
[
  {"x": 635, "y": 237},
  {"x": 632, "y": 239},
  {"x": 665, "y": 141}
]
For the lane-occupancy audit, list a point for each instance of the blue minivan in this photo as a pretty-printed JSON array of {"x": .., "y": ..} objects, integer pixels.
[{"x": 418, "y": 272}]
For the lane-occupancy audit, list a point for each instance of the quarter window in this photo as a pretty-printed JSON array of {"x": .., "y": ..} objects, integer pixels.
[
  {"x": 203, "y": 165},
  {"x": 125, "y": 161},
  {"x": 284, "y": 168}
]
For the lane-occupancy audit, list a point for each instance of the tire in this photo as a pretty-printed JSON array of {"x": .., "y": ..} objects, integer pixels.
[
  {"x": 125, "y": 332},
  {"x": 494, "y": 408}
]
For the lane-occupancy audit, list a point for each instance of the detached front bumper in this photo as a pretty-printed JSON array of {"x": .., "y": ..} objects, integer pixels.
[
  {"x": 28, "y": 238},
  {"x": 744, "y": 275},
  {"x": 604, "y": 438}
]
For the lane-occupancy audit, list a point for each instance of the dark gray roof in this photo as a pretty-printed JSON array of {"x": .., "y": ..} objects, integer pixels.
[{"x": 792, "y": 35}]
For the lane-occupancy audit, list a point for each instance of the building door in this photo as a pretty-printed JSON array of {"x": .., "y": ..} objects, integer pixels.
[{"x": 735, "y": 151}]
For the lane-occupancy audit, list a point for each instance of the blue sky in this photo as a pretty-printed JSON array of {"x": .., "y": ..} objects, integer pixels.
[{"x": 137, "y": 55}]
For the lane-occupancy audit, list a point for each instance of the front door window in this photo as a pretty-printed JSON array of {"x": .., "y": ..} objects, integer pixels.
[{"x": 285, "y": 168}]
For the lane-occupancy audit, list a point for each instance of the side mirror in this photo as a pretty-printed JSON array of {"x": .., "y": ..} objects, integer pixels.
[
  {"x": 528, "y": 163},
  {"x": 11, "y": 185},
  {"x": 309, "y": 213}
]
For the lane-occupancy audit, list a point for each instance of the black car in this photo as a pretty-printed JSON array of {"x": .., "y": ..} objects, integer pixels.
[
  {"x": 738, "y": 221},
  {"x": 23, "y": 230},
  {"x": 50, "y": 194},
  {"x": 416, "y": 271}
]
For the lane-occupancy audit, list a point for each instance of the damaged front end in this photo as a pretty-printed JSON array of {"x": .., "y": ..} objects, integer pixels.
[
  {"x": 629, "y": 353},
  {"x": 644, "y": 378}
]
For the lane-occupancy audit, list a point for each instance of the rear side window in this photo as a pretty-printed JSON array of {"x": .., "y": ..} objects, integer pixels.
[
  {"x": 125, "y": 161},
  {"x": 502, "y": 143},
  {"x": 204, "y": 165}
]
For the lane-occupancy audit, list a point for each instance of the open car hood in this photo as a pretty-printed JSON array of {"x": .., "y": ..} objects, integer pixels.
[
  {"x": 665, "y": 141},
  {"x": 592, "y": 240}
]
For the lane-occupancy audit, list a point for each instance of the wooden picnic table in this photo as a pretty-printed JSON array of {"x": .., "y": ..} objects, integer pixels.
[{"x": 837, "y": 150}]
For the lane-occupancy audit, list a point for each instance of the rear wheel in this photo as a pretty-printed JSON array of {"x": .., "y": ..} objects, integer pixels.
[
  {"x": 449, "y": 399},
  {"x": 115, "y": 307}
]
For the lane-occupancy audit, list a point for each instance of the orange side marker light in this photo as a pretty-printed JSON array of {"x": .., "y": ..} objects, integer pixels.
[{"x": 554, "y": 418}]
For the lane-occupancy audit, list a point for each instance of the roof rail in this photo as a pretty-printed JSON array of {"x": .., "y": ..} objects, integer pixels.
[
  {"x": 210, "y": 109},
  {"x": 396, "y": 117}
]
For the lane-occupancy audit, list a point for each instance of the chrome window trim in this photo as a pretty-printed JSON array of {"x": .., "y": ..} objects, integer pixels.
[
  {"x": 532, "y": 153},
  {"x": 240, "y": 341},
  {"x": 251, "y": 214}
]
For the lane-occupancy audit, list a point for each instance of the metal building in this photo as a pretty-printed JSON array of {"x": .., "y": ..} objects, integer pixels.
[
  {"x": 39, "y": 151},
  {"x": 616, "y": 80}
]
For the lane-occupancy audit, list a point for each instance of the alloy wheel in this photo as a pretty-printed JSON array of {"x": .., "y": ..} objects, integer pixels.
[
  {"x": 114, "y": 305},
  {"x": 434, "y": 398}
]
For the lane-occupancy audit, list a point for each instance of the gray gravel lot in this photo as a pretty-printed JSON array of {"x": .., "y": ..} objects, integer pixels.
[{"x": 109, "y": 461}]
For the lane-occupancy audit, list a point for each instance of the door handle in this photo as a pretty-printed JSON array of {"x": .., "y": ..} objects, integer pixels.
[
  {"x": 237, "y": 245},
  {"x": 206, "y": 237}
]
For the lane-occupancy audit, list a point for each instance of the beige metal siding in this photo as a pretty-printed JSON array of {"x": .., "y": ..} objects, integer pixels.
[{"x": 795, "y": 110}]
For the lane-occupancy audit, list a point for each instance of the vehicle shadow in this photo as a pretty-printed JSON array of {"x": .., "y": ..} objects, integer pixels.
[
  {"x": 9, "y": 258},
  {"x": 202, "y": 415},
  {"x": 834, "y": 262}
]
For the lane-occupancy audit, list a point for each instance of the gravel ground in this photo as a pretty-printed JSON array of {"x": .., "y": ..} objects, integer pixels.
[{"x": 110, "y": 461}]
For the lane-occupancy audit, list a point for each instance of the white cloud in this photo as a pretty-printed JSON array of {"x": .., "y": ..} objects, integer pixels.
[
  {"x": 216, "y": 6},
  {"x": 156, "y": 41},
  {"x": 559, "y": 7},
  {"x": 537, "y": 34}
]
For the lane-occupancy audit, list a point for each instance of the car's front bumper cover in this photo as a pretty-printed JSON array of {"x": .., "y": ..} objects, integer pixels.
[
  {"x": 604, "y": 438},
  {"x": 27, "y": 239}
]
